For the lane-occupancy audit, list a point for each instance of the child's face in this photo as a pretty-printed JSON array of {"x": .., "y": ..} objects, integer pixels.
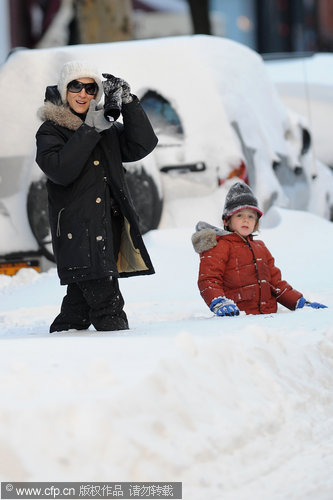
[{"x": 243, "y": 222}]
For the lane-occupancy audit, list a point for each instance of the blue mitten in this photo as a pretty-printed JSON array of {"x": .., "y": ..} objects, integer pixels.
[
  {"x": 303, "y": 302},
  {"x": 221, "y": 306}
]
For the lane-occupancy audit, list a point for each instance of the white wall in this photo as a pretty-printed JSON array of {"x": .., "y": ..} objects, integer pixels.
[{"x": 4, "y": 30}]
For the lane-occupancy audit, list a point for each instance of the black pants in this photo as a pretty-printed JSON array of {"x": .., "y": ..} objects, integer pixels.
[{"x": 97, "y": 302}]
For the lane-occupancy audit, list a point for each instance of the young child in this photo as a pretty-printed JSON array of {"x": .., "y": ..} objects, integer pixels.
[{"x": 237, "y": 273}]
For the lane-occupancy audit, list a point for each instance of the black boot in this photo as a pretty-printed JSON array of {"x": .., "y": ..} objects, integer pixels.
[
  {"x": 106, "y": 304},
  {"x": 74, "y": 314}
]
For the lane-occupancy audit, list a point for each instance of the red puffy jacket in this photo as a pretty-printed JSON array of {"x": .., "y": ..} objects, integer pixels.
[{"x": 242, "y": 270}]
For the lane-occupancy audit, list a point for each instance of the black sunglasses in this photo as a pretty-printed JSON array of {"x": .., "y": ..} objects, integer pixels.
[{"x": 75, "y": 86}]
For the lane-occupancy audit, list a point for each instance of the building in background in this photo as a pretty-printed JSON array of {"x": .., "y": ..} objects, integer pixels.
[
  {"x": 288, "y": 25},
  {"x": 160, "y": 18},
  {"x": 5, "y": 42},
  {"x": 268, "y": 26},
  {"x": 271, "y": 26},
  {"x": 325, "y": 26},
  {"x": 239, "y": 20}
]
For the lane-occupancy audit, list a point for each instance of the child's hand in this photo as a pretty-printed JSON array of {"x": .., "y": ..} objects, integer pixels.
[
  {"x": 315, "y": 305},
  {"x": 224, "y": 307}
]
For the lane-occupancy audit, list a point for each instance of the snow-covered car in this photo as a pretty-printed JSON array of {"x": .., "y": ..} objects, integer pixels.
[
  {"x": 217, "y": 116},
  {"x": 305, "y": 84}
]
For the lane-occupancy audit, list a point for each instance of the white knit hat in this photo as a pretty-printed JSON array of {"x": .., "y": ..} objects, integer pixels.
[{"x": 73, "y": 70}]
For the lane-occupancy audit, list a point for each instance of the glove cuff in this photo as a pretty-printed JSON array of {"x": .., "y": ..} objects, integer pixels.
[
  {"x": 127, "y": 99},
  {"x": 301, "y": 303}
]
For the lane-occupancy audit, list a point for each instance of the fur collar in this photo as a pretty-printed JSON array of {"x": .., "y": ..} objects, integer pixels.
[
  {"x": 59, "y": 114},
  {"x": 205, "y": 236}
]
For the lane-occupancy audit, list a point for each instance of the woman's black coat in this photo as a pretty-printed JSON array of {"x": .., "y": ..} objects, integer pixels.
[{"x": 84, "y": 169}]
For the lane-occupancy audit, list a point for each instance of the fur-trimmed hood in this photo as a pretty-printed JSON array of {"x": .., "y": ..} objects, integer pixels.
[
  {"x": 205, "y": 236},
  {"x": 59, "y": 114}
]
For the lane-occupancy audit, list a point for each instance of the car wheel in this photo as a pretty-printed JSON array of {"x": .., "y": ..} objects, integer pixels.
[{"x": 146, "y": 199}]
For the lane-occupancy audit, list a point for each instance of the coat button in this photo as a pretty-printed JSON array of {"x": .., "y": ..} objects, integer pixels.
[
  {"x": 69, "y": 236},
  {"x": 98, "y": 200},
  {"x": 99, "y": 238},
  {"x": 96, "y": 162}
]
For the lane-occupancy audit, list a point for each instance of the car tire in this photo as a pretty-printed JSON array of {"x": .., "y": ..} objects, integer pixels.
[
  {"x": 146, "y": 199},
  {"x": 144, "y": 193}
]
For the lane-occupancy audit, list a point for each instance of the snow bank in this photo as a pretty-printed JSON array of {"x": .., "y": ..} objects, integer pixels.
[{"x": 231, "y": 416}]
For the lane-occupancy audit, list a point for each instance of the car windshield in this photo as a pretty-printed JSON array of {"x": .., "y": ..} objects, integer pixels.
[{"x": 162, "y": 115}]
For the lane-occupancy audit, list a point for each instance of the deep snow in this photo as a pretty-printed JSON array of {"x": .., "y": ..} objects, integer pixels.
[{"x": 235, "y": 408}]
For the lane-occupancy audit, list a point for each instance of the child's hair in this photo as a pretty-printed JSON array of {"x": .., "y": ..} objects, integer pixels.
[{"x": 256, "y": 227}]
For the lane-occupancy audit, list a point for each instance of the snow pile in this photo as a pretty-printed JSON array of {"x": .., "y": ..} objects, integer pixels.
[{"x": 235, "y": 408}]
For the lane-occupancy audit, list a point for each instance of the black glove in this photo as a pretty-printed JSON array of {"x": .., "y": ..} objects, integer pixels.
[
  {"x": 117, "y": 92},
  {"x": 95, "y": 118}
]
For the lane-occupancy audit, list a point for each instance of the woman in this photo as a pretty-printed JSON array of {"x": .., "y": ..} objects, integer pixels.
[{"x": 94, "y": 226}]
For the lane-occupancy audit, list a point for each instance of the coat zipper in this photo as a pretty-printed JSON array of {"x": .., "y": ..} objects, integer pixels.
[{"x": 257, "y": 273}]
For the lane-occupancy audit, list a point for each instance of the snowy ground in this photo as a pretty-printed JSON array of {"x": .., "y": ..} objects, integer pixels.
[{"x": 235, "y": 408}]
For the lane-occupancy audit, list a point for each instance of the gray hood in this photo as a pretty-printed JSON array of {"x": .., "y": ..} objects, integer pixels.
[{"x": 205, "y": 236}]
